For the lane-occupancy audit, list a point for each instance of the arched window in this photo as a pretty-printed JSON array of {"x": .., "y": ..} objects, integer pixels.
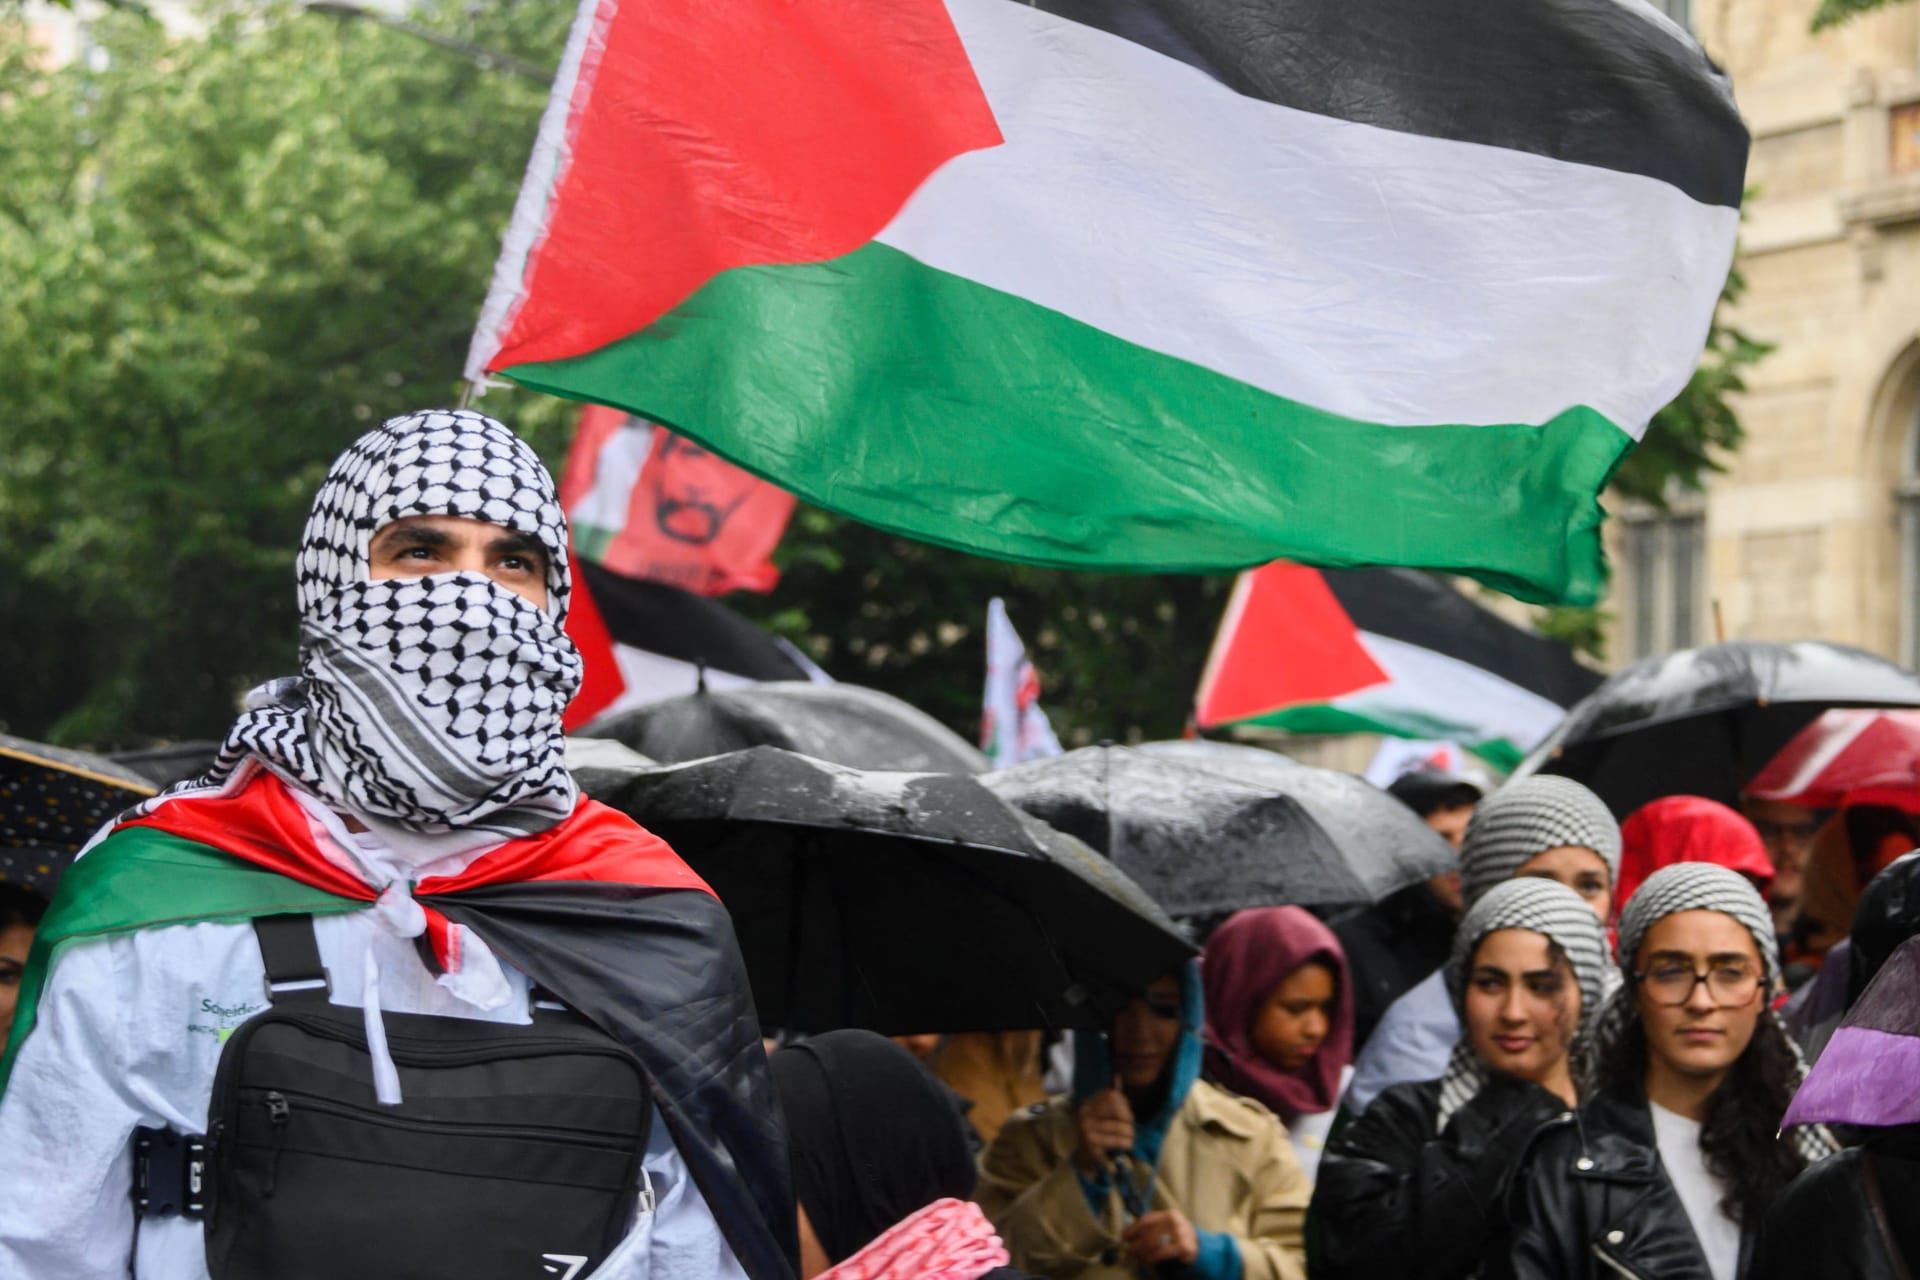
[
  {"x": 1681, "y": 11},
  {"x": 1908, "y": 494}
]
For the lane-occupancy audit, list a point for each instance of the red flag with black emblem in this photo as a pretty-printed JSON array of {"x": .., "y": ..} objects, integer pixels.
[{"x": 647, "y": 503}]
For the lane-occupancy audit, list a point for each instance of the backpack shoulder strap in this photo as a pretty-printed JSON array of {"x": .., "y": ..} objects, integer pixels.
[{"x": 292, "y": 956}]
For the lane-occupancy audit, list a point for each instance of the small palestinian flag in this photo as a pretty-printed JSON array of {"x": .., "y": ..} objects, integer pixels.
[
  {"x": 1148, "y": 284},
  {"x": 1390, "y": 651},
  {"x": 648, "y": 504},
  {"x": 641, "y": 642}
]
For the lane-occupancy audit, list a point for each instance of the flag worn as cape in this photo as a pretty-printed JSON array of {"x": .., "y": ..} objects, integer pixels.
[
  {"x": 649, "y": 504},
  {"x": 1390, "y": 651},
  {"x": 1139, "y": 284},
  {"x": 575, "y": 908}
]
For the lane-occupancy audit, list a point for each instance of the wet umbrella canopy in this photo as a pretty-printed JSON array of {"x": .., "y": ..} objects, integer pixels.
[
  {"x": 1704, "y": 721},
  {"x": 1204, "y": 843},
  {"x": 1254, "y": 765},
  {"x": 844, "y": 723},
  {"x": 903, "y": 902},
  {"x": 51, "y": 803}
]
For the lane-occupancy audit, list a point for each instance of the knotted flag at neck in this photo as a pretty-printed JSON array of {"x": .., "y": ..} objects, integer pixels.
[{"x": 594, "y": 909}]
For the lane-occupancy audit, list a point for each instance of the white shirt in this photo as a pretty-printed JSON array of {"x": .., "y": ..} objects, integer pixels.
[
  {"x": 1679, "y": 1141},
  {"x": 128, "y": 1033},
  {"x": 1309, "y": 1133}
]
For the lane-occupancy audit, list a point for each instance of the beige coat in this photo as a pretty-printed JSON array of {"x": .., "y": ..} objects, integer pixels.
[
  {"x": 997, "y": 1071},
  {"x": 1226, "y": 1165}
]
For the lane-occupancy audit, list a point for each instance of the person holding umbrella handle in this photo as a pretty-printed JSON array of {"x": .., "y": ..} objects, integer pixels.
[
  {"x": 1153, "y": 1236},
  {"x": 1146, "y": 1169}
]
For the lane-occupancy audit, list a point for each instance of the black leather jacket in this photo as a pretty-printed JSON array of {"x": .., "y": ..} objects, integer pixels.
[
  {"x": 1593, "y": 1200},
  {"x": 1824, "y": 1223},
  {"x": 1394, "y": 1197}
]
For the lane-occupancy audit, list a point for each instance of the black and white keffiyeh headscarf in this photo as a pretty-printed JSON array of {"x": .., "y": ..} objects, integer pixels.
[
  {"x": 1550, "y": 909},
  {"x": 1700, "y": 886},
  {"x": 1524, "y": 819},
  {"x": 428, "y": 703}
]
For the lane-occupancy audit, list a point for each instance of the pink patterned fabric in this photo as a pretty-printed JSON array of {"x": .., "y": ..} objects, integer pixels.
[{"x": 947, "y": 1240}]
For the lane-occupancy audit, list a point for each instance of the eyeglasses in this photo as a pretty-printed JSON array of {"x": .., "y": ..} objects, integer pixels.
[
  {"x": 1730, "y": 985},
  {"x": 1161, "y": 1007},
  {"x": 1775, "y": 832}
]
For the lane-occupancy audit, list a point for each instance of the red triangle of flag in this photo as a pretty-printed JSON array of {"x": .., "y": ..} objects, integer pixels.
[
  {"x": 1284, "y": 640},
  {"x": 600, "y": 681}
]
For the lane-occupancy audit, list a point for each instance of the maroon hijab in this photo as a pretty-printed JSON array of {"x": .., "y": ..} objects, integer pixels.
[{"x": 1246, "y": 958}]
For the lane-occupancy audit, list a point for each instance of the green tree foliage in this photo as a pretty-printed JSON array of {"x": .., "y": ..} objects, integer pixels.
[
  {"x": 1685, "y": 445},
  {"x": 225, "y": 257},
  {"x": 1832, "y": 13},
  {"x": 1119, "y": 654},
  {"x": 228, "y": 255}
]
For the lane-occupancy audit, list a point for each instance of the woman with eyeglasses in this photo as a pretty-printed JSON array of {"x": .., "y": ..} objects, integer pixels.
[
  {"x": 1147, "y": 1169},
  {"x": 1416, "y": 1185},
  {"x": 1668, "y": 1167}
]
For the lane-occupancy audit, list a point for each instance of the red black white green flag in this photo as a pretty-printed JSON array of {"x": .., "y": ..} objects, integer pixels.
[
  {"x": 1389, "y": 651},
  {"x": 1150, "y": 284},
  {"x": 650, "y": 504}
]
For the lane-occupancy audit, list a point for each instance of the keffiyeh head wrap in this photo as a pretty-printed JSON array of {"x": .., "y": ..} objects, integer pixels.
[
  {"x": 429, "y": 703},
  {"x": 1524, "y": 819},
  {"x": 1699, "y": 886},
  {"x": 1547, "y": 908}
]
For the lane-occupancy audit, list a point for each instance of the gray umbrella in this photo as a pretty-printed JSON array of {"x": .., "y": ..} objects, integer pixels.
[
  {"x": 1254, "y": 765},
  {"x": 1205, "y": 844},
  {"x": 1703, "y": 721},
  {"x": 844, "y": 723},
  {"x": 903, "y": 902}
]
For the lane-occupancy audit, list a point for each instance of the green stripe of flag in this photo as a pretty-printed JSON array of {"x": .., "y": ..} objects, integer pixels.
[
  {"x": 862, "y": 381},
  {"x": 1326, "y": 718},
  {"x": 140, "y": 878}
]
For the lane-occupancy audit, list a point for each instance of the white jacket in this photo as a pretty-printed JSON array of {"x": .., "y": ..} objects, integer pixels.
[{"x": 128, "y": 1033}]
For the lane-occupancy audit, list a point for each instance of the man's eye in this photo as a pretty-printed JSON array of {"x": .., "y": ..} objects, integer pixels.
[{"x": 517, "y": 564}]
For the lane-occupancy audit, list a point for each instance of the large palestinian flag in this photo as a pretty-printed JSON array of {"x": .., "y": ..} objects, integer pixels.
[
  {"x": 1156, "y": 284},
  {"x": 1388, "y": 651}
]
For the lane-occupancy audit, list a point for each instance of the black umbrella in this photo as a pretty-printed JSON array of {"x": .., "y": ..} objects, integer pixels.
[
  {"x": 845, "y": 723},
  {"x": 51, "y": 802},
  {"x": 904, "y": 902},
  {"x": 1204, "y": 843},
  {"x": 173, "y": 762},
  {"x": 1703, "y": 721},
  {"x": 601, "y": 766},
  {"x": 1255, "y": 765}
]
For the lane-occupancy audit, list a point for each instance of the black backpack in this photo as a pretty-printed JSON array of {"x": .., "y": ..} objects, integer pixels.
[{"x": 515, "y": 1152}]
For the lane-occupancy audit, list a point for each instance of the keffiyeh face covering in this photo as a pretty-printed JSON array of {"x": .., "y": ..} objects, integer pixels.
[{"x": 432, "y": 702}]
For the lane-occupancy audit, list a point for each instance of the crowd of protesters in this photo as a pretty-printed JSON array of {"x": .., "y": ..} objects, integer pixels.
[{"x": 1574, "y": 1057}]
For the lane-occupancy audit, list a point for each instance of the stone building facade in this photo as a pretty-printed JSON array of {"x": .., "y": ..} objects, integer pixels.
[{"x": 1814, "y": 531}]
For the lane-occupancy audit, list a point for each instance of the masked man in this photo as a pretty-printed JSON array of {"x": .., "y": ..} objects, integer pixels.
[{"x": 403, "y": 804}]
